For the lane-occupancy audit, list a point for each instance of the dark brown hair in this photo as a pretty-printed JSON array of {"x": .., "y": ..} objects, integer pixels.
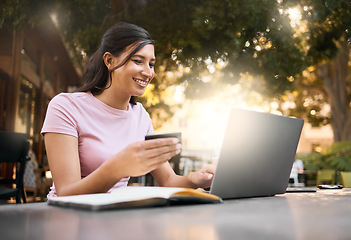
[{"x": 116, "y": 40}]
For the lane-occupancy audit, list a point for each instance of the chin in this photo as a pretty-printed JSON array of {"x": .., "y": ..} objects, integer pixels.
[{"x": 139, "y": 94}]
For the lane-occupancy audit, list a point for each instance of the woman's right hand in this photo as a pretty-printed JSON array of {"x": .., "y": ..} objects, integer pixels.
[{"x": 142, "y": 157}]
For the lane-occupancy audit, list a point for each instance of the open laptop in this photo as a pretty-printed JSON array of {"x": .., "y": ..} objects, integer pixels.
[{"x": 257, "y": 154}]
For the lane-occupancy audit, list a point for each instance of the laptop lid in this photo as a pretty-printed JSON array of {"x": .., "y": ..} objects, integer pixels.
[{"x": 257, "y": 154}]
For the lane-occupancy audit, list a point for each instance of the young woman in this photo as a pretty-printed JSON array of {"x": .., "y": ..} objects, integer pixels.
[{"x": 94, "y": 137}]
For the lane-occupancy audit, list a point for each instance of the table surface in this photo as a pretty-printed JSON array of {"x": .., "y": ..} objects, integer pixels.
[{"x": 325, "y": 214}]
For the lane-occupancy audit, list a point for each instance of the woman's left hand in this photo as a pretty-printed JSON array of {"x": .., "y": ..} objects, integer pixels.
[{"x": 202, "y": 178}]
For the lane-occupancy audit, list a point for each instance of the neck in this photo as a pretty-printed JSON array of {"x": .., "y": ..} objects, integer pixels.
[{"x": 113, "y": 100}]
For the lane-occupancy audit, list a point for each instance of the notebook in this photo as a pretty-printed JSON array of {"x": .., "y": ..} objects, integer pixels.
[
  {"x": 135, "y": 197},
  {"x": 257, "y": 154}
]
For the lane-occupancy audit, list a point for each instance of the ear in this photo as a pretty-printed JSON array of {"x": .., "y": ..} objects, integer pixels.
[{"x": 109, "y": 60}]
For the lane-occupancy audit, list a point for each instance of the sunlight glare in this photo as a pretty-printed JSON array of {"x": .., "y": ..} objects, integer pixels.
[
  {"x": 295, "y": 16},
  {"x": 54, "y": 19},
  {"x": 206, "y": 119},
  {"x": 179, "y": 94}
]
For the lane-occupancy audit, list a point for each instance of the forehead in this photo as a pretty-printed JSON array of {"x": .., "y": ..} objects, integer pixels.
[{"x": 148, "y": 51}]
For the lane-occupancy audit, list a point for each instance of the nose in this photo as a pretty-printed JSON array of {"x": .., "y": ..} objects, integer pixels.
[{"x": 148, "y": 71}]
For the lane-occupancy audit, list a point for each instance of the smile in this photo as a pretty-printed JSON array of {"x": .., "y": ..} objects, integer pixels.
[{"x": 141, "y": 82}]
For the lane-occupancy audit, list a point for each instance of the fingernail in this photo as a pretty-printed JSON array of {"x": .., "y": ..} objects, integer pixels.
[{"x": 209, "y": 175}]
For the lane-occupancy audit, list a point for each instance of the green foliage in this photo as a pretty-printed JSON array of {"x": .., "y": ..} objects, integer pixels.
[
  {"x": 250, "y": 36},
  {"x": 314, "y": 161},
  {"x": 328, "y": 22},
  {"x": 339, "y": 156},
  {"x": 336, "y": 156},
  {"x": 21, "y": 13},
  {"x": 327, "y": 36},
  {"x": 82, "y": 22},
  {"x": 188, "y": 32},
  {"x": 253, "y": 39}
]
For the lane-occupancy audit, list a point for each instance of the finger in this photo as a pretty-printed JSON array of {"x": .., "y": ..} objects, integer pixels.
[
  {"x": 159, "y": 142},
  {"x": 209, "y": 169},
  {"x": 155, "y": 152},
  {"x": 204, "y": 176},
  {"x": 163, "y": 157},
  {"x": 208, "y": 176},
  {"x": 156, "y": 161}
]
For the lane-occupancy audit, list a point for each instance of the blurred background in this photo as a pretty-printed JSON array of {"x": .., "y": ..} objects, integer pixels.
[{"x": 287, "y": 57}]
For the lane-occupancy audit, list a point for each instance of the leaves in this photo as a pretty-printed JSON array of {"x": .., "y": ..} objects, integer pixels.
[
  {"x": 252, "y": 37},
  {"x": 336, "y": 156},
  {"x": 314, "y": 161},
  {"x": 21, "y": 13},
  {"x": 339, "y": 156}
]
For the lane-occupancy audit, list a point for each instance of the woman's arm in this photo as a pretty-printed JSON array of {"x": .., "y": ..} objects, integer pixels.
[
  {"x": 136, "y": 159},
  {"x": 165, "y": 176},
  {"x": 63, "y": 158}
]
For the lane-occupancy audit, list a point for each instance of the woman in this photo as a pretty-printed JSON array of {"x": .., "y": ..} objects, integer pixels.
[{"x": 94, "y": 137}]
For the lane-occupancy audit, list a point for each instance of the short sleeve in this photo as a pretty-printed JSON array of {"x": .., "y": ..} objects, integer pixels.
[{"x": 60, "y": 116}]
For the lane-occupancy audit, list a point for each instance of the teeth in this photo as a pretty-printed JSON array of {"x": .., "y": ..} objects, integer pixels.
[{"x": 144, "y": 83}]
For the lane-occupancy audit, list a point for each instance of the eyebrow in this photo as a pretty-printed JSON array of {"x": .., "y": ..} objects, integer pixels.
[{"x": 153, "y": 59}]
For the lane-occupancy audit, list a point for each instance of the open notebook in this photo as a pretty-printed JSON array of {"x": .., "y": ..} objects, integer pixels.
[{"x": 135, "y": 196}]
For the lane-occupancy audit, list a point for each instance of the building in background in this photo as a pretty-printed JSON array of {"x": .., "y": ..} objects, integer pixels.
[
  {"x": 314, "y": 138},
  {"x": 34, "y": 67}
]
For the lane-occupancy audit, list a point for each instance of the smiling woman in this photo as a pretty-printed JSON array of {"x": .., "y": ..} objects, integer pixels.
[
  {"x": 94, "y": 137},
  {"x": 119, "y": 44},
  {"x": 131, "y": 78}
]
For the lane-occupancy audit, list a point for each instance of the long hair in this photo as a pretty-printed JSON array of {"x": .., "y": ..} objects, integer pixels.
[{"x": 116, "y": 40}]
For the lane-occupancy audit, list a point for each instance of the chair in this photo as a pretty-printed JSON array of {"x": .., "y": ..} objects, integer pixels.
[
  {"x": 346, "y": 179},
  {"x": 326, "y": 176},
  {"x": 14, "y": 149}
]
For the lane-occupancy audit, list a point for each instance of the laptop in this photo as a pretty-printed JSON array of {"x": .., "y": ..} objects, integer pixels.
[{"x": 257, "y": 154}]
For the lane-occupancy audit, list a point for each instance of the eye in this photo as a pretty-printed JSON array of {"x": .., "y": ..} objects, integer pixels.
[
  {"x": 137, "y": 61},
  {"x": 152, "y": 65}
]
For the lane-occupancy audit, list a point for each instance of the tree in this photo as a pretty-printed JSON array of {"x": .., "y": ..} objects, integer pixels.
[
  {"x": 312, "y": 61},
  {"x": 329, "y": 81},
  {"x": 308, "y": 60},
  {"x": 324, "y": 93}
]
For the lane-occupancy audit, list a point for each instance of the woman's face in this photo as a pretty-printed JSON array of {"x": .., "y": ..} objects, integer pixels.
[{"x": 133, "y": 77}]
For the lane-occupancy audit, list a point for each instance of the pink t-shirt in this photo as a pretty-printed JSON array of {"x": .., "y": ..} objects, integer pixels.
[{"x": 102, "y": 131}]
